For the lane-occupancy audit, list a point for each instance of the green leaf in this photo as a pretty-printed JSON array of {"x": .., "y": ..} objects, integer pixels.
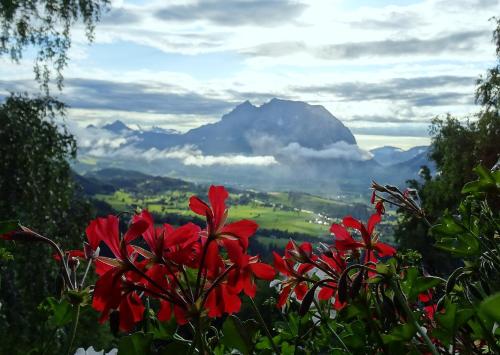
[
  {"x": 163, "y": 330},
  {"x": 452, "y": 280},
  {"x": 491, "y": 307},
  {"x": 383, "y": 269},
  {"x": 287, "y": 349},
  {"x": 238, "y": 334},
  {"x": 447, "y": 227},
  {"x": 135, "y": 344},
  {"x": 8, "y": 226},
  {"x": 450, "y": 320},
  {"x": 403, "y": 332},
  {"x": 446, "y": 319},
  {"x": 411, "y": 276},
  {"x": 462, "y": 246},
  {"x": 486, "y": 182},
  {"x": 423, "y": 284},
  {"x": 60, "y": 312},
  {"x": 82, "y": 297}
]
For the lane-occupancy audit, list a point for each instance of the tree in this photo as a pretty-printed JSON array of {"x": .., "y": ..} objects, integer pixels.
[
  {"x": 37, "y": 188},
  {"x": 456, "y": 148},
  {"x": 46, "y": 26}
]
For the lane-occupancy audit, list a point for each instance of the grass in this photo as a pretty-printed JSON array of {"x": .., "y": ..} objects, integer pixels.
[
  {"x": 267, "y": 217},
  {"x": 292, "y": 213}
]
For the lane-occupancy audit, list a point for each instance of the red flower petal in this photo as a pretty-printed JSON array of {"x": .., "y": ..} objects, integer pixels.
[
  {"x": 149, "y": 234},
  {"x": 262, "y": 271},
  {"x": 350, "y": 222},
  {"x": 165, "y": 311},
  {"x": 326, "y": 293},
  {"x": 180, "y": 315},
  {"x": 106, "y": 230},
  {"x": 212, "y": 260},
  {"x": 384, "y": 249},
  {"x": 136, "y": 229},
  {"x": 340, "y": 232},
  {"x": 217, "y": 196},
  {"x": 232, "y": 303},
  {"x": 131, "y": 311},
  {"x": 234, "y": 251},
  {"x": 199, "y": 207},
  {"x": 283, "y": 296},
  {"x": 373, "y": 221},
  {"x": 279, "y": 264},
  {"x": 241, "y": 230},
  {"x": 107, "y": 291},
  {"x": 303, "y": 268},
  {"x": 301, "y": 290}
]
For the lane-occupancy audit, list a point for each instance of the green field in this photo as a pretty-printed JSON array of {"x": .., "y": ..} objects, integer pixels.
[
  {"x": 280, "y": 217},
  {"x": 288, "y": 212}
]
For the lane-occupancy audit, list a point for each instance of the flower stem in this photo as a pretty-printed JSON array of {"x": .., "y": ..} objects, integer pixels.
[
  {"x": 324, "y": 319},
  {"x": 404, "y": 302},
  {"x": 197, "y": 289},
  {"x": 73, "y": 331},
  {"x": 82, "y": 282},
  {"x": 263, "y": 323}
]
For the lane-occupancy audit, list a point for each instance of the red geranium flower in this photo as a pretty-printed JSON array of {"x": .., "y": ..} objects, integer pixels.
[
  {"x": 286, "y": 265},
  {"x": 344, "y": 240},
  {"x": 108, "y": 292},
  {"x": 233, "y": 236},
  {"x": 242, "y": 278}
]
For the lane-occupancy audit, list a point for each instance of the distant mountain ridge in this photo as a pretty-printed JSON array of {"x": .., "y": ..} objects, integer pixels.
[
  {"x": 281, "y": 144},
  {"x": 388, "y": 155},
  {"x": 248, "y": 129}
]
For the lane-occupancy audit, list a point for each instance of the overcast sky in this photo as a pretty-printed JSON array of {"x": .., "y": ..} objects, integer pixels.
[{"x": 384, "y": 67}]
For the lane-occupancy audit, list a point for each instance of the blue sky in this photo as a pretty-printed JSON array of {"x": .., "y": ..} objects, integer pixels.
[{"x": 385, "y": 68}]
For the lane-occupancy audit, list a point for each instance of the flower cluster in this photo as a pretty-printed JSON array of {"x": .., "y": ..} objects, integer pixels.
[
  {"x": 328, "y": 268},
  {"x": 192, "y": 272}
]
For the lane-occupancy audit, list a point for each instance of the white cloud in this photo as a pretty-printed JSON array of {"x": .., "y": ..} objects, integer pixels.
[
  {"x": 190, "y": 155},
  {"x": 339, "y": 150},
  {"x": 96, "y": 138}
]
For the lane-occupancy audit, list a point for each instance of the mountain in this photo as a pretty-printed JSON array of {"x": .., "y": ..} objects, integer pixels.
[
  {"x": 280, "y": 145},
  {"x": 117, "y": 127},
  {"x": 249, "y": 129},
  {"x": 388, "y": 155}
]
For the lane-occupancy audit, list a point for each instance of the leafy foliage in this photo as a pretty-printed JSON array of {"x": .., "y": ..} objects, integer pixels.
[
  {"x": 36, "y": 187},
  {"x": 45, "y": 25},
  {"x": 456, "y": 148}
]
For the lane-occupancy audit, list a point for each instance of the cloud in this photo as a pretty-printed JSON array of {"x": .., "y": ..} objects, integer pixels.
[
  {"x": 462, "y": 5},
  {"x": 379, "y": 119},
  {"x": 414, "y": 91},
  {"x": 235, "y": 12},
  {"x": 192, "y": 156},
  {"x": 120, "y": 16},
  {"x": 93, "y": 138},
  {"x": 462, "y": 42},
  {"x": 161, "y": 98},
  {"x": 254, "y": 97},
  {"x": 94, "y": 94},
  {"x": 339, "y": 150},
  {"x": 394, "y": 131},
  {"x": 188, "y": 155},
  {"x": 393, "y": 20},
  {"x": 138, "y": 97}
]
